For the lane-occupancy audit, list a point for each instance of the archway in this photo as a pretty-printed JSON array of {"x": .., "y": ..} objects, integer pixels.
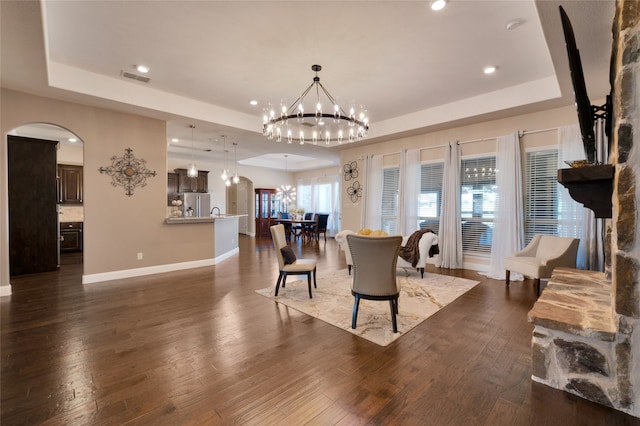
[
  {"x": 59, "y": 203},
  {"x": 239, "y": 200}
]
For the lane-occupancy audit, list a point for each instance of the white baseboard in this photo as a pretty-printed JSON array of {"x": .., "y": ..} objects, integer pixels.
[
  {"x": 158, "y": 269},
  {"x": 5, "y": 290}
]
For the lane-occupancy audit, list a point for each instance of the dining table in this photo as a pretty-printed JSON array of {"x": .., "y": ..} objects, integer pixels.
[{"x": 304, "y": 231}]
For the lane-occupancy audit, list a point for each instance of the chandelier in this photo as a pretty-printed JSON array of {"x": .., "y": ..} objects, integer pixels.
[
  {"x": 286, "y": 193},
  {"x": 301, "y": 123}
]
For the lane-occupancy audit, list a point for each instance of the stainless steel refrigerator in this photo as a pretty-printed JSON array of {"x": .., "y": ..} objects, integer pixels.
[{"x": 195, "y": 204}]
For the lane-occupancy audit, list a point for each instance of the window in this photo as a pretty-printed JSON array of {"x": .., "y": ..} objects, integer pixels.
[
  {"x": 321, "y": 195},
  {"x": 430, "y": 196},
  {"x": 541, "y": 201},
  {"x": 390, "y": 180},
  {"x": 477, "y": 203}
]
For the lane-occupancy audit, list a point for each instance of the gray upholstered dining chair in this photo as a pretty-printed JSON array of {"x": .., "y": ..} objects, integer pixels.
[
  {"x": 374, "y": 272},
  {"x": 287, "y": 261}
]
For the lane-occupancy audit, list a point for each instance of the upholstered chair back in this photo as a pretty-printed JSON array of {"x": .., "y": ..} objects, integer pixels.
[{"x": 374, "y": 263}]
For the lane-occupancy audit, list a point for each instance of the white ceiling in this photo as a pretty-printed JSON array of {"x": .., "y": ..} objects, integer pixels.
[{"x": 414, "y": 69}]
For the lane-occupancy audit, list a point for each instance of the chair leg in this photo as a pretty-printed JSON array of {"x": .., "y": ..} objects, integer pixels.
[
  {"x": 309, "y": 284},
  {"x": 537, "y": 282},
  {"x": 315, "y": 273},
  {"x": 354, "y": 316},
  {"x": 507, "y": 277},
  {"x": 349, "y": 269},
  {"x": 393, "y": 315},
  {"x": 284, "y": 279},
  {"x": 278, "y": 283},
  {"x": 421, "y": 272}
]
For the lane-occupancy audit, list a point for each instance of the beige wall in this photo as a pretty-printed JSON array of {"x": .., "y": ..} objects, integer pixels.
[{"x": 117, "y": 227}]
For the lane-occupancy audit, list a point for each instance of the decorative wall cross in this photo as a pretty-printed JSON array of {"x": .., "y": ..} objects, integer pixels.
[{"x": 127, "y": 171}]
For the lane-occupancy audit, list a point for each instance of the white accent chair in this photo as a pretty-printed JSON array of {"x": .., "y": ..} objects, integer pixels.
[
  {"x": 541, "y": 256},
  {"x": 297, "y": 267},
  {"x": 427, "y": 240}
]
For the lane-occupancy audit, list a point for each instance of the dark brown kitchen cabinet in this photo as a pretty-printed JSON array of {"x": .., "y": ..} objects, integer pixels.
[
  {"x": 70, "y": 236},
  {"x": 69, "y": 184},
  {"x": 172, "y": 187},
  {"x": 188, "y": 184}
]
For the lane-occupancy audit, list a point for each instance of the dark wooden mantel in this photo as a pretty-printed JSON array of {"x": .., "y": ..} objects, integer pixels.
[{"x": 591, "y": 186}]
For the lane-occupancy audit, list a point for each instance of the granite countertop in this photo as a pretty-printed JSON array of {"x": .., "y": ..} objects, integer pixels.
[{"x": 204, "y": 219}]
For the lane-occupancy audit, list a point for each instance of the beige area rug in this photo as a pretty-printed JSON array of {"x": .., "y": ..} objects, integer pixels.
[{"x": 333, "y": 303}]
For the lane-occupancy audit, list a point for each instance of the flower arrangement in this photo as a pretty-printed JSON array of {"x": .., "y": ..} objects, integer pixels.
[{"x": 296, "y": 212}]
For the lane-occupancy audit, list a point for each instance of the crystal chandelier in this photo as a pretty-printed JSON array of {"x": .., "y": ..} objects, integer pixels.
[
  {"x": 304, "y": 123},
  {"x": 286, "y": 193}
]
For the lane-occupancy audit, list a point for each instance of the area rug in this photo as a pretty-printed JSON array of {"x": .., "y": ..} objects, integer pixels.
[{"x": 333, "y": 303}]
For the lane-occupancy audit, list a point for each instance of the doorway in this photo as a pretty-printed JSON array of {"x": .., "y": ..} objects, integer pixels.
[
  {"x": 238, "y": 200},
  {"x": 65, "y": 229}
]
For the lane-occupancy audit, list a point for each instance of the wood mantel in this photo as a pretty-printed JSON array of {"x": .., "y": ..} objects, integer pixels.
[{"x": 591, "y": 186}]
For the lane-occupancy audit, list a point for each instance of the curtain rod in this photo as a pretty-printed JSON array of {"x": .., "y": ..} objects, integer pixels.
[{"x": 521, "y": 133}]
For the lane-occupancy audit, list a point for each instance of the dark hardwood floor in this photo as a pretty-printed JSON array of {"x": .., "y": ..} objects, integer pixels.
[{"x": 199, "y": 347}]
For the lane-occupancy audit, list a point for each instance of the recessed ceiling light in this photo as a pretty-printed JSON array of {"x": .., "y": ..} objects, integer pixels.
[
  {"x": 253, "y": 102},
  {"x": 73, "y": 140},
  {"x": 143, "y": 69},
  {"x": 438, "y": 4},
  {"x": 174, "y": 140},
  {"x": 490, "y": 69}
]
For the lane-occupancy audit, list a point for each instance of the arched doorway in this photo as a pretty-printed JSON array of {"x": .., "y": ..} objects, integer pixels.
[
  {"x": 239, "y": 199},
  {"x": 48, "y": 223}
]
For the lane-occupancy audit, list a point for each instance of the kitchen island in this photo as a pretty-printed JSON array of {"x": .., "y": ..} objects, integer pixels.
[{"x": 225, "y": 232}]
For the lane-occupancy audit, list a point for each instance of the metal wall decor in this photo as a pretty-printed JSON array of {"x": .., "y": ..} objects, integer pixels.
[
  {"x": 127, "y": 171},
  {"x": 355, "y": 191},
  {"x": 350, "y": 170}
]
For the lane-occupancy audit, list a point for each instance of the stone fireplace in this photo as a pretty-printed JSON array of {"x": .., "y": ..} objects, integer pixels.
[{"x": 586, "y": 337}]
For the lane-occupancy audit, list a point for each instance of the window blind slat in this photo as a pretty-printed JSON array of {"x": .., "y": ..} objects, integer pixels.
[
  {"x": 390, "y": 183},
  {"x": 477, "y": 203},
  {"x": 430, "y": 197}
]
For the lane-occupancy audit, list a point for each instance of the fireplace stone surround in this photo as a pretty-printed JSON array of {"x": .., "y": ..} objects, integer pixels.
[{"x": 586, "y": 337}]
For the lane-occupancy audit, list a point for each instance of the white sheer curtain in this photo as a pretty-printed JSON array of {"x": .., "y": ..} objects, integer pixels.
[
  {"x": 450, "y": 233},
  {"x": 573, "y": 217},
  {"x": 321, "y": 195},
  {"x": 508, "y": 223},
  {"x": 371, "y": 204},
  {"x": 408, "y": 191}
]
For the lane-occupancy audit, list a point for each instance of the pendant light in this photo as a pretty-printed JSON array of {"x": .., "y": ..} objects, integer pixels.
[
  {"x": 225, "y": 171},
  {"x": 236, "y": 178},
  {"x": 192, "y": 171}
]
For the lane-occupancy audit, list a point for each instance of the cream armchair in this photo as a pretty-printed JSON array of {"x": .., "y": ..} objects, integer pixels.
[
  {"x": 427, "y": 240},
  {"x": 541, "y": 256}
]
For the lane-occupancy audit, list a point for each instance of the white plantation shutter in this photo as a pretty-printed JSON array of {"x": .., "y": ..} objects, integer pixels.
[
  {"x": 477, "y": 203},
  {"x": 390, "y": 181},
  {"x": 430, "y": 196},
  {"x": 541, "y": 201}
]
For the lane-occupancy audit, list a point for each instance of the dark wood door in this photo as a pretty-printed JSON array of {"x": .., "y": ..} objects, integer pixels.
[{"x": 33, "y": 215}]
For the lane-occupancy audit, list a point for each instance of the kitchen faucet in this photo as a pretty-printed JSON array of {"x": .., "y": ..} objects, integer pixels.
[{"x": 211, "y": 213}]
